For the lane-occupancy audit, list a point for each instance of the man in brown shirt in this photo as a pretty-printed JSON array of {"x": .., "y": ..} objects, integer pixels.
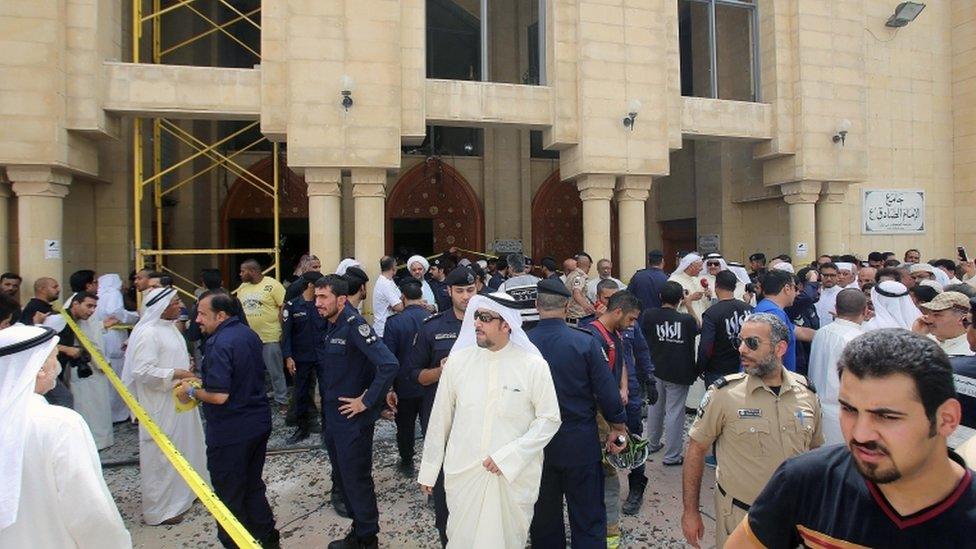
[
  {"x": 756, "y": 420},
  {"x": 579, "y": 304}
]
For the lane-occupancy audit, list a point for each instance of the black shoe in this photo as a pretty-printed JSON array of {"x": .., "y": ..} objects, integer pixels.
[
  {"x": 352, "y": 542},
  {"x": 406, "y": 467},
  {"x": 634, "y": 501},
  {"x": 339, "y": 506},
  {"x": 273, "y": 541},
  {"x": 299, "y": 435},
  {"x": 314, "y": 426}
]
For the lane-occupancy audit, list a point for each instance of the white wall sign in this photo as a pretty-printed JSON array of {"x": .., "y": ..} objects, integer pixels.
[
  {"x": 802, "y": 249},
  {"x": 52, "y": 249},
  {"x": 508, "y": 246},
  {"x": 709, "y": 243},
  {"x": 895, "y": 211}
]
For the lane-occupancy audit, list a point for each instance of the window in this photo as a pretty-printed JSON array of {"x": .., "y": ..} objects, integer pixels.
[
  {"x": 448, "y": 141},
  {"x": 486, "y": 41},
  {"x": 718, "y": 42}
]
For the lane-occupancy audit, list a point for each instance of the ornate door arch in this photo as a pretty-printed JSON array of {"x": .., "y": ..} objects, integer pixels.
[
  {"x": 557, "y": 222},
  {"x": 435, "y": 190}
]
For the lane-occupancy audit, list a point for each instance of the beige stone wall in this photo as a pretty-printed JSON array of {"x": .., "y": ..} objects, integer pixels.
[{"x": 963, "y": 18}]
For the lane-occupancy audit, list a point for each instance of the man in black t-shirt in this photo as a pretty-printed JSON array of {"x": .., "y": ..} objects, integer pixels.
[
  {"x": 896, "y": 483},
  {"x": 718, "y": 356},
  {"x": 671, "y": 336},
  {"x": 46, "y": 291}
]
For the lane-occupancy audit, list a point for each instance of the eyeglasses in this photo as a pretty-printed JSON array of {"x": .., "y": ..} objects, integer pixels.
[
  {"x": 713, "y": 264},
  {"x": 828, "y": 275},
  {"x": 485, "y": 317},
  {"x": 751, "y": 342}
]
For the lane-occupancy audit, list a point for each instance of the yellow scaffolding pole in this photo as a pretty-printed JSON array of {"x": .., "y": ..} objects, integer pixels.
[{"x": 198, "y": 148}]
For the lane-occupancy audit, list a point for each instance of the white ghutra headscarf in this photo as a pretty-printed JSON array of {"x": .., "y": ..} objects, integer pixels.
[
  {"x": 23, "y": 351},
  {"x": 893, "y": 307},
  {"x": 157, "y": 300},
  {"x": 505, "y": 306},
  {"x": 687, "y": 261}
]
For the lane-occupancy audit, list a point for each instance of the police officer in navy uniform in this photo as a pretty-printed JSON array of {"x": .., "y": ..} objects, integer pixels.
[
  {"x": 407, "y": 395},
  {"x": 358, "y": 371},
  {"x": 572, "y": 466},
  {"x": 299, "y": 337},
  {"x": 438, "y": 282},
  {"x": 431, "y": 347}
]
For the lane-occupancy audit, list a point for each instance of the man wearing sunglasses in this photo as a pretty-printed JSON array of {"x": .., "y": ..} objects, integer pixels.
[
  {"x": 425, "y": 362},
  {"x": 756, "y": 420}
]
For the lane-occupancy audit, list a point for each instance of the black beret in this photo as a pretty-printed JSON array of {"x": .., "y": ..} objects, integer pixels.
[
  {"x": 460, "y": 276},
  {"x": 312, "y": 276},
  {"x": 408, "y": 281},
  {"x": 553, "y": 286},
  {"x": 549, "y": 263},
  {"x": 757, "y": 257},
  {"x": 655, "y": 254}
]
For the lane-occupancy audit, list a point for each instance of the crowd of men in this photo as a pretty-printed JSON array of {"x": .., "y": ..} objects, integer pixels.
[{"x": 837, "y": 393}]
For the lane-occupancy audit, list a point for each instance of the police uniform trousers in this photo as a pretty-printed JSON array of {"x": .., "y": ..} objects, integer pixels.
[
  {"x": 408, "y": 410},
  {"x": 582, "y": 486},
  {"x": 439, "y": 494},
  {"x": 635, "y": 424},
  {"x": 235, "y": 471},
  {"x": 351, "y": 453},
  {"x": 305, "y": 374},
  {"x": 728, "y": 514}
]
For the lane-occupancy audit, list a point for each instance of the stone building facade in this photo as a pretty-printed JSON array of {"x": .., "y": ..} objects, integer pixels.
[{"x": 477, "y": 121}]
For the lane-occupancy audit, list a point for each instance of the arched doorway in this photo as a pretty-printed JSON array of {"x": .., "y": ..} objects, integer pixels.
[
  {"x": 247, "y": 217},
  {"x": 557, "y": 222},
  {"x": 431, "y": 209}
]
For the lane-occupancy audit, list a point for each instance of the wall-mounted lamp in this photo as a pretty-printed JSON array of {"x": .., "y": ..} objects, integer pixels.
[
  {"x": 905, "y": 13},
  {"x": 347, "y": 84},
  {"x": 631, "y": 118},
  {"x": 842, "y": 128}
]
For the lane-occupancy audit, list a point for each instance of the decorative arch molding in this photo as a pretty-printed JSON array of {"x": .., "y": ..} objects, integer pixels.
[
  {"x": 245, "y": 201},
  {"x": 435, "y": 190}
]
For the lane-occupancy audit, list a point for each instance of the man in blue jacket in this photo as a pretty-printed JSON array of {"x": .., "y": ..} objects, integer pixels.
[
  {"x": 572, "y": 466},
  {"x": 299, "y": 335},
  {"x": 359, "y": 370},
  {"x": 238, "y": 416},
  {"x": 407, "y": 395}
]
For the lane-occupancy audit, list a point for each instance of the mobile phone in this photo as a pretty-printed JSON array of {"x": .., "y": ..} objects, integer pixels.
[{"x": 962, "y": 253}]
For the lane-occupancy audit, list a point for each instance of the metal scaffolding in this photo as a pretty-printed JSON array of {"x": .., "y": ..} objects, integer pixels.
[{"x": 148, "y": 135}]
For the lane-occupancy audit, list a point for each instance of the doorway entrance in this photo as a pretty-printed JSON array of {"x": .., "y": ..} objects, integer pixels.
[
  {"x": 432, "y": 208},
  {"x": 678, "y": 236}
]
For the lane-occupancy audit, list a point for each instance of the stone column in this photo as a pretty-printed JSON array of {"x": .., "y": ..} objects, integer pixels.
[
  {"x": 324, "y": 214},
  {"x": 830, "y": 218},
  {"x": 802, "y": 197},
  {"x": 40, "y": 214},
  {"x": 596, "y": 191},
  {"x": 5, "y": 194},
  {"x": 369, "y": 196},
  {"x": 632, "y": 193}
]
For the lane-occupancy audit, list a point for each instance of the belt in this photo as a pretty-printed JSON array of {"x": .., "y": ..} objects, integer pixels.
[{"x": 738, "y": 503}]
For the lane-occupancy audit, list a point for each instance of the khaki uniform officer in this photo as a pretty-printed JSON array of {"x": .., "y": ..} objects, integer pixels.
[{"x": 756, "y": 420}]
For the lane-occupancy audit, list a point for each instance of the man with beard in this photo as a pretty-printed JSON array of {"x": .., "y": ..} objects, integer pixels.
[
  {"x": 895, "y": 483},
  {"x": 756, "y": 420}
]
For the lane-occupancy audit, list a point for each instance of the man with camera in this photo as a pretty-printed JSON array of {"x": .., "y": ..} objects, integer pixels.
[{"x": 88, "y": 384}]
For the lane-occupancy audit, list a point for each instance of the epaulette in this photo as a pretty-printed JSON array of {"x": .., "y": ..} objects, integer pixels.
[
  {"x": 723, "y": 381},
  {"x": 433, "y": 316},
  {"x": 805, "y": 382}
]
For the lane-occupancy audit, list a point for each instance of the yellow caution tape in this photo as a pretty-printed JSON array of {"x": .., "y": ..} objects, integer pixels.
[
  {"x": 180, "y": 406},
  {"x": 227, "y": 520}
]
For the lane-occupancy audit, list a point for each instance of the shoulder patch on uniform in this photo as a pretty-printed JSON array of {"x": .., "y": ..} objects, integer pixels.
[
  {"x": 351, "y": 319},
  {"x": 704, "y": 402},
  {"x": 723, "y": 381},
  {"x": 285, "y": 313},
  {"x": 432, "y": 317},
  {"x": 364, "y": 330},
  {"x": 805, "y": 382}
]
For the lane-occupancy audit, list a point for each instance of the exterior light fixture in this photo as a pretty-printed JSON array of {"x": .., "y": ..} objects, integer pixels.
[
  {"x": 905, "y": 13},
  {"x": 631, "y": 118},
  {"x": 347, "y": 84},
  {"x": 469, "y": 147},
  {"x": 842, "y": 128}
]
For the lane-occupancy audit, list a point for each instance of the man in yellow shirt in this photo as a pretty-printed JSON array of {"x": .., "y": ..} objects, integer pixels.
[{"x": 262, "y": 298}]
